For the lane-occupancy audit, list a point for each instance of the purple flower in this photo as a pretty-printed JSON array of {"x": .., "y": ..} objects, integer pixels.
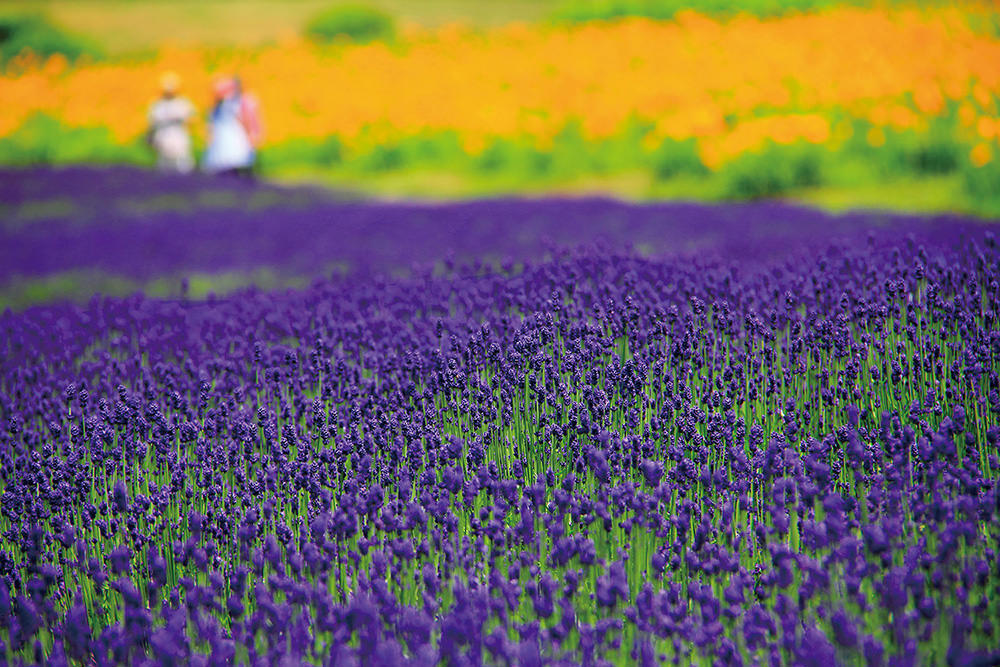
[
  {"x": 894, "y": 595},
  {"x": 120, "y": 558},
  {"x": 844, "y": 631}
]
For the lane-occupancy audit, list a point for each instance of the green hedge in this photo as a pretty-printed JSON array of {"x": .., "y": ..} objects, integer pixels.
[
  {"x": 298, "y": 152},
  {"x": 33, "y": 31},
  {"x": 982, "y": 184},
  {"x": 578, "y": 11},
  {"x": 770, "y": 171},
  {"x": 774, "y": 170},
  {"x": 357, "y": 23},
  {"x": 42, "y": 139}
]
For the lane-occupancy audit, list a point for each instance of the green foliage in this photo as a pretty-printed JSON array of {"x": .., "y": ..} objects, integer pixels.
[
  {"x": 438, "y": 149},
  {"x": 495, "y": 157},
  {"x": 573, "y": 154},
  {"x": 931, "y": 152},
  {"x": 428, "y": 149},
  {"x": 673, "y": 158},
  {"x": 328, "y": 152},
  {"x": 578, "y": 11},
  {"x": 512, "y": 163},
  {"x": 773, "y": 170},
  {"x": 44, "y": 140},
  {"x": 936, "y": 151},
  {"x": 382, "y": 158},
  {"x": 19, "y": 32},
  {"x": 514, "y": 157},
  {"x": 985, "y": 23},
  {"x": 982, "y": 184},
  {"x": 358, "y": 23}
]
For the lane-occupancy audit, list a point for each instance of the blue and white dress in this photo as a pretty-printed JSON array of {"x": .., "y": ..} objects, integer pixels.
[{"x": 229, "y": 146}]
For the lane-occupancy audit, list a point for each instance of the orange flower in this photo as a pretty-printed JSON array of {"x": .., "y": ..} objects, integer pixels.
[
  {"x": 732, "y": 86},
  {"x": 986, "y": 127},
  {"x": 981, "y": 155},
  {"x": 875, "y": 137}
]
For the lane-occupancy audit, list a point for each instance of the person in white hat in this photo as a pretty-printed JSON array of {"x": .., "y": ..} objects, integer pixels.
[{"x": 168, "y": 134}]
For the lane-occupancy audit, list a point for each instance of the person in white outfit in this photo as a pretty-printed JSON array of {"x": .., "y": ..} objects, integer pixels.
[
  {"x": 169, "y": 117},
  {"x": 230, "y": 149}
]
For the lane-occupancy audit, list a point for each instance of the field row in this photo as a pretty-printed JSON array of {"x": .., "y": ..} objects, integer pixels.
[
  {"x": 590, "y": 98},
  {"x": 717, "y": 448}
]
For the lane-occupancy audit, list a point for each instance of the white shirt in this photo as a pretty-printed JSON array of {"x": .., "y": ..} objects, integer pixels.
[{"x": 168, "y": 118}]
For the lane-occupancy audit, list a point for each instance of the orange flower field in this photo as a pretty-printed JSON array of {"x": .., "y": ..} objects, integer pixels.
[{"x": 729, "y": 85}]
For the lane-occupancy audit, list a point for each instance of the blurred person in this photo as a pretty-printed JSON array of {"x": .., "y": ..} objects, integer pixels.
[
  {"x": 169, "y": 117},
  {"x": 230, "y": 148},
  {"x": 250, "y": 117}
]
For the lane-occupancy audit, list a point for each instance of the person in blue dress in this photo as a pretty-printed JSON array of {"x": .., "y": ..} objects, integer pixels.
[{"x": 230, "y": 148}]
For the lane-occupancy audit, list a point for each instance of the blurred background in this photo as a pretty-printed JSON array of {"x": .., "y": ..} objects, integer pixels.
[{"x": 836, "y": 104}]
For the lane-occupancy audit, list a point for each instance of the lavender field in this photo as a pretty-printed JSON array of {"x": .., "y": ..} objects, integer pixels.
[{"x": 506, "y": 432}]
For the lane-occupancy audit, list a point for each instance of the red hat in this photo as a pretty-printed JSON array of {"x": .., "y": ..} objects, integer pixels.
[{"x": 224, "y": 87}]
